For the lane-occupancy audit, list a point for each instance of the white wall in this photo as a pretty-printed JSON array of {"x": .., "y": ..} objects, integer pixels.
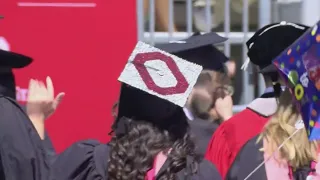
[{"x": 310, "y": 12}]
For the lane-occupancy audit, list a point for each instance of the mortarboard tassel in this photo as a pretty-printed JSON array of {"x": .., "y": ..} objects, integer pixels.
[
  {"x": 277, "y": 89},
  {"x": 276, "y": 86},
  {"x": 245, "y": 64}
]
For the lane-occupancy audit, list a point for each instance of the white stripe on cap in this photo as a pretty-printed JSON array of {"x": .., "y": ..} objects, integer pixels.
[
  {"x": 178, "y": 42},
  {"x": 282, "y": 23}
]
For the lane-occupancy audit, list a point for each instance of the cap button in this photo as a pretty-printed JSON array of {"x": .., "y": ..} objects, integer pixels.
[{"x": 283, "y": 23}]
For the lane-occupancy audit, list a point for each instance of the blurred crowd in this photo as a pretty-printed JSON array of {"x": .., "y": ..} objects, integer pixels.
[
  {"x": 216, "y": 7},
  {"x": 154, "y": 137}
]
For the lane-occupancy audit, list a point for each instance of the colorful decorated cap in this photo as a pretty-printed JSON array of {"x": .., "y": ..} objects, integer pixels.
[
  {"x": 155, "y": 87},
  {"x": 299, "y": 66},
  {"x": 269, "y": 41},
  {"x": 204, "y": 54}
]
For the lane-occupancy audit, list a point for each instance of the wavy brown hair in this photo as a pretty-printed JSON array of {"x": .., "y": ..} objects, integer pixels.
[
  {"x": 132, "y": 155},
  {"x": 298, "y": 151}
]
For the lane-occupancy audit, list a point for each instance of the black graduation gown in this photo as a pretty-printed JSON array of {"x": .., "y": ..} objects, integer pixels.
[
  {"x": 248, "y": 158},
  {"x": 203, "y": 131},
  {"x": 22, "y": 153},
  {"x": 88, "y": 160},
  {"x": 47, "y": 143}
]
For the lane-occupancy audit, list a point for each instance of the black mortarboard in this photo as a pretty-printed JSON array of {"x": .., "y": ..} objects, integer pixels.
[
  {"x": 268, "y": 42},
  {"x": 139, "y": 105},
  {"x": 13, "y": 60},
  {"x": 193, "y": 42},
  {"x": 9, "y": 61},
  {"x": 199, "y": 49}
]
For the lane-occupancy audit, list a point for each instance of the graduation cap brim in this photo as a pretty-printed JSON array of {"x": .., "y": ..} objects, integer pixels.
[
  {"x": 269, "y": 69},
  {"x": 14, "y": 60},
  {"x": 192, "y": 43}
]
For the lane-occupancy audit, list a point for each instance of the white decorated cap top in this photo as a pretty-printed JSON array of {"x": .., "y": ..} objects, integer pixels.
[{"x": 160, "y": 73}]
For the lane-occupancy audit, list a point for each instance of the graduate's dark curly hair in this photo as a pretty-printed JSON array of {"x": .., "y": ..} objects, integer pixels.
[{"x": 132, "y": 154}]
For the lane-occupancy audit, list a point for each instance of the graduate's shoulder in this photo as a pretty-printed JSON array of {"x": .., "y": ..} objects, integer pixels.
[
  {"x": 246, "y": 113},
  {"x": 83, "y": 160},
  {"x": 8, "y": 103},
  {"x": 207, "y": 170},
  {"x": 234, "y": 122},
  {"x": 95, "y": 150}
]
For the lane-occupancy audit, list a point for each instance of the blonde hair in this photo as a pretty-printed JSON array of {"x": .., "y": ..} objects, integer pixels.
[
  {"x": 298, "y": 151},
  {"x": 209, "y": 87}
]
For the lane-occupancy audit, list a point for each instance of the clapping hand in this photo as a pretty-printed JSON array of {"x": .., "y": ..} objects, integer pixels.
[{"x": 41, "y": 102}]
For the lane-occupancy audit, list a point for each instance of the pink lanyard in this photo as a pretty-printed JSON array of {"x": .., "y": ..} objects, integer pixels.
[
  {"x": 151, "y": 174},
  {"x": 312, "y": 173}
]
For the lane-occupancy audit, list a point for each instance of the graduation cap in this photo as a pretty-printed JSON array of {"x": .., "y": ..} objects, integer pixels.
[
  {"x": 9, "y": 61},
  {"x": 268, "y": 42},
  {"x": 142, "y": 99},
  {"x": 199, "y": 49},
  {"x": 138, "y": 105},
  {"x": 195, "y": 41}
]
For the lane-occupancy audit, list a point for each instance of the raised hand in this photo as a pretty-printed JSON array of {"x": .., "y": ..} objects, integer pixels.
[
  {"x": 223, "y": 107},
  {"x": 41, "y": 102}
]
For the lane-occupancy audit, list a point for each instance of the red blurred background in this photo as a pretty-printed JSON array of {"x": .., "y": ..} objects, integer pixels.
[{"x": 83, "y": 49}]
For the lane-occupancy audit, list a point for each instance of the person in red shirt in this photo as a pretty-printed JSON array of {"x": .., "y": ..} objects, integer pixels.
[{"x": 265, "y": 45}]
